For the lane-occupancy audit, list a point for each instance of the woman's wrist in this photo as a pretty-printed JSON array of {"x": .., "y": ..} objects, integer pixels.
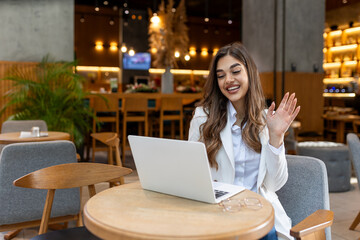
[{"x": 276, "y": 140}]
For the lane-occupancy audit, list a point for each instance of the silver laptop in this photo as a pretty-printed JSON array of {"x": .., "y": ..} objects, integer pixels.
[{"x": 179, "y": 168}]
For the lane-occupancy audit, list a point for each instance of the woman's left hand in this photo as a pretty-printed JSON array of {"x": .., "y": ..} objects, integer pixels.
[{"x": 279, "y": 121}]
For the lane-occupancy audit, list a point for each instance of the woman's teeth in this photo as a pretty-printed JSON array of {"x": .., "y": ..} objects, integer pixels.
[{"x": 233, "y": 88}]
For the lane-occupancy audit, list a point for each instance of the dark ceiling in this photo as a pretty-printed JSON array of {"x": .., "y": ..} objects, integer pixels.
[{"x": 219, "y": 9}]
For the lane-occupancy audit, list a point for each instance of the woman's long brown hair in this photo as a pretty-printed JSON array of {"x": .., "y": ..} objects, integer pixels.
[{"x": 215, "y": 104}]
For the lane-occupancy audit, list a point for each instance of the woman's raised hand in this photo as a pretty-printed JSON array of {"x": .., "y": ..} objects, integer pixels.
[{"x": 279, "y": 121}]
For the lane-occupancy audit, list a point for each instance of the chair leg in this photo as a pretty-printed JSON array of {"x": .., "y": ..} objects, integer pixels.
[
  {"x": 123, "y": 143},
  {"x": 47, "y": 211},
  {"x": 12, "y": 234},
  {"x": 355, "y": 222}
]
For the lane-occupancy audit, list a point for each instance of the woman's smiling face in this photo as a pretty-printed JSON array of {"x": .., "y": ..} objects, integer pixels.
[{"x": 233, "y": 80}]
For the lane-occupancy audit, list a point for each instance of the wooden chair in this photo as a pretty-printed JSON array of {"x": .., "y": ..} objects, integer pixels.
[
  {"x": 134, "y": 110},
  {"x": 305, "y": 198},
  {"x": 112, "y": 141},
  {"x": 22, "y": 208},
  {"x": 171, "y": 109},
  {"x": 106, "y": 111},
  {"x": 70, "y": 175}
]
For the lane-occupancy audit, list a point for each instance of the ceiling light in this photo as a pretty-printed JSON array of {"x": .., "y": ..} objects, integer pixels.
[
  {"x": 204, "y": 52},
  {"x": 113, "y": 46},
  {"x": 192, "y": 51},
  {"x": 123, "y": 48},
  {"x": 131, "y": 52},
  {"x": 206, "y": 19},
  {"x": 82, "y": 19},
  {"x": 97, "y": 9},
  {"x": 111, "y": 21},
  {"x": 177, "y": 54},
  {"x": 106, "y": 3},
  {"x": 187, "y": 57},
  {"x": 99, "y": 45}
]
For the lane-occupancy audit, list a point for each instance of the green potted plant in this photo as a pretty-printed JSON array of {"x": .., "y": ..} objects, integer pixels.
[{"x": 53, "y": 92}]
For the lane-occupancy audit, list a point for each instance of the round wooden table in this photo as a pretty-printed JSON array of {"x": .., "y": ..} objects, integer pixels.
[
  {"x": 129, "y": 212},
  {"x": 14, "y": 137}
]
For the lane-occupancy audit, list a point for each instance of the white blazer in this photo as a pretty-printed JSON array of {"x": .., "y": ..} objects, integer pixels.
[{"x": 272, "y": 175}]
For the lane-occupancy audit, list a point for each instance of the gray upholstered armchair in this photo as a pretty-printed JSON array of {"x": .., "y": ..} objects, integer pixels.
[
  {"x": 22, "y": 125},
  {"x": 354, "y": 146},
  {"x": 22, "y": 208},
  {"x": 305, "y": 198}
]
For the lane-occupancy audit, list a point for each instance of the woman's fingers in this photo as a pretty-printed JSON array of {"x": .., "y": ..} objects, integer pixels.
[
  {"x": 295, "y": 113},
  {"x": 271, "y": 110},
  {"x": 284, "y": 100}
]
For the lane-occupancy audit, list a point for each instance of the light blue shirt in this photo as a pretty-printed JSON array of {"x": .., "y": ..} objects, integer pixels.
[{"x": 246, "y": 159}]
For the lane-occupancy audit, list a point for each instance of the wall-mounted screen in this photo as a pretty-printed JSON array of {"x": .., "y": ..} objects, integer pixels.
[{"x": 140, "y": 61}]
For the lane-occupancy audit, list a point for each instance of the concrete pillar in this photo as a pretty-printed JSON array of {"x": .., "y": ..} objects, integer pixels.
[
  {"x": 31, "y": 29},
  {"x": 297, "y": 37},
  {"x": 285, "y": 38}
]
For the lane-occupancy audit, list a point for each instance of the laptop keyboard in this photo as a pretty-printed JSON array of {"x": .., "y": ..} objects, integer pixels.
[{"x": 219, "y": 193}]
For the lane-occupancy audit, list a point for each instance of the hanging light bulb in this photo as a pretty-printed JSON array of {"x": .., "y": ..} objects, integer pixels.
[
  {"x": 153, "y": 50},
  {"x": 111, "y": 21},
  {"x": 187, "y": 57},
  {"x": 230, "y": 9},
  {"x": 155, "y": 19},
  {"x": 131, "y": 52},
  {"x": 123, "y": 48},
  {"x": 206, "y": 19},
  {"x": 82, "y": 19},
  {"x": 215, "y": 51},
  {"x": 177, "y": 54}
]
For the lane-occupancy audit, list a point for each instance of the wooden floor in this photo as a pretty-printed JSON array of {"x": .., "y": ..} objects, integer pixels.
[{"x": 345, "y": 205}]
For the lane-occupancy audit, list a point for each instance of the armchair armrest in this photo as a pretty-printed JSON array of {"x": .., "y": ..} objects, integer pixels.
[{"x": 317, "y": 221}]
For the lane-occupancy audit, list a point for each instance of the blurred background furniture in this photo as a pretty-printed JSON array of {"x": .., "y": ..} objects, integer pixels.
[
  {"x": 22, "y": 208},
  {"x": 354, "y": 147},
  {"x": 290, "y": 141},
  {"x": 106, "y": 111},
  {"x": 76, "y": 175},
  {"x": 171, "y": 109},
  {"x": 134, "y": 110},
  {"x": 23, "y": 125},
  {"x": 336, "y": 158},
  {"x": 305, "y": 198},
  {"x": 111, "y": 140}
]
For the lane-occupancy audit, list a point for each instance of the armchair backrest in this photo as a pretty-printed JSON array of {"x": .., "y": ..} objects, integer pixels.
[
  {"x": 22, "y": 125},
  {"x": 306, "y": 189},
  {"x": 354, "y": 147},
  {"x": 16, "y": 160}
]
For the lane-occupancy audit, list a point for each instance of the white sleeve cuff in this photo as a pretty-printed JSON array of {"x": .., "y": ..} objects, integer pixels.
[{"x": 275, "y": 150}]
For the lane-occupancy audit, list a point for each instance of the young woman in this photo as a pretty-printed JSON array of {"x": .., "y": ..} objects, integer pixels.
[{"x": 244, "y": 142}]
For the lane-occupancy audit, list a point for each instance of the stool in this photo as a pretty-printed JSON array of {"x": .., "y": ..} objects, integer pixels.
[{"x": 337, "y": 161}]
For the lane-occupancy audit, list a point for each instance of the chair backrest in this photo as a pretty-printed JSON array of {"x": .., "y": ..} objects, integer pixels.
[
  {"x": 306, "y": 189},
  {"x": 76, "y": 175},
  {"x": 16, "y": 160},
  {"x": 135, "y": 104},
  {"x": 65, "y": 176},
  {"x": 109, "y": 104},
  {"x": 354, "y": 146},
  {"x": 22, "y": 125},
  {"x": 171, "y": 104}
]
